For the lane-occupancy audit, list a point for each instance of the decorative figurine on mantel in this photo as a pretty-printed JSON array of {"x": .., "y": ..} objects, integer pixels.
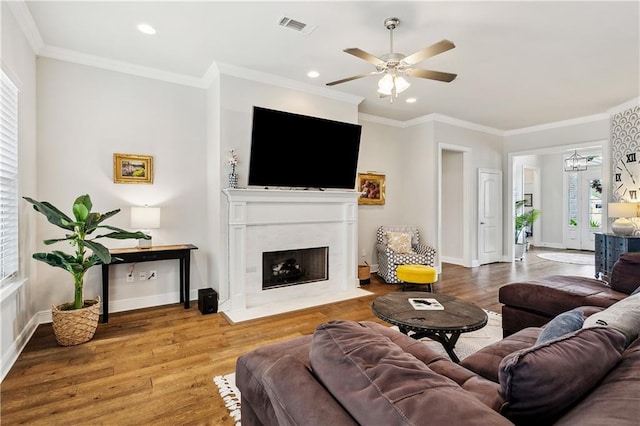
[{"x": 233, "y": 162}]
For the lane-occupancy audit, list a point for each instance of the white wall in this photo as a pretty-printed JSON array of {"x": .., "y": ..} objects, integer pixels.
[
  {"x": 85, "y": 115},
  {"x": 382, "y": 150},
  {"x": 18, "y": 305},
  {"x": 484, "y": 152}
]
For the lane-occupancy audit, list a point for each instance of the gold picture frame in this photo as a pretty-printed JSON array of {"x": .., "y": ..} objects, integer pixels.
[
  {"x": 132, "y": 168},
  {"x": 371, "y": 187}
]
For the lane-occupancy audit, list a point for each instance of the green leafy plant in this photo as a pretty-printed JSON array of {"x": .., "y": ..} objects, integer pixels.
[
  {"x": 84, "y": 224},
  {"x": 525, "y": 220},
  {"x": 594, "y": 224},
  {"x": 573, "y": 222}
]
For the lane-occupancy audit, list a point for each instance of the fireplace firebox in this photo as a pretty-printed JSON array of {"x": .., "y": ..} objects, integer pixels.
[{"x": 292, "y": 267}]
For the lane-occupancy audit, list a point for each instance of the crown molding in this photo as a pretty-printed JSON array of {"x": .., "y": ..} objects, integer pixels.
[
  {"x": 557, "y": 124},
  {"x": 120, "y": 66},
  {"x": 625, "y": 106},
  {"x": 380, "y": 120},
  {"x": 430, "y": 118},
  {"x": 26, "y": 23},
  {"x": 274, "y": 80},
  {"x": 440, "y": 118}
]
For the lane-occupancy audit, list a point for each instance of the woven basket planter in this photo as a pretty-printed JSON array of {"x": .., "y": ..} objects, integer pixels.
[{"x": 73, "y": 327}]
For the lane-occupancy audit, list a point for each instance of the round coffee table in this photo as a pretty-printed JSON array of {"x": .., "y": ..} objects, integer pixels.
[{"x": 444, "y": 326}]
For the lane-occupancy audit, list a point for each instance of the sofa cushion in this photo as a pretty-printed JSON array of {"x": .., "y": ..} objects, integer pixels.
[
  {"x": 623, "y": 316},
  {"x": 625, "y": 273},
  {"x": 616, "y": 401},
  {"x": 540, "y": 383},
  {"x": 400, "y": 242},
  {"x": 562, "y": 324},
  {"x": 379, "y": 383}
]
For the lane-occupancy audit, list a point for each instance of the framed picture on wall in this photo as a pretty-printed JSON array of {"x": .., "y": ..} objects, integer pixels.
[
  {"x": 371, "y": 187},
  {"x": 528, "y": 200},
  {"x": 132, "y": 168}
]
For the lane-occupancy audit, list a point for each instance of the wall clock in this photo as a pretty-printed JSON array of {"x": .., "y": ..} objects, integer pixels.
[{"x": 626, "y": 176}]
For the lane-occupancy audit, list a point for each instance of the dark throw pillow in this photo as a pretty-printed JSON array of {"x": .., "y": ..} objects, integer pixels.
[
  {"x": 540, "y": 383},
  {"x": 562, "y": 324}
]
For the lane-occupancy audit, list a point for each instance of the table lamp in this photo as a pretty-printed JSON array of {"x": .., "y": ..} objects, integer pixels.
[
  {"x": 622, "y": 211},
  {"x": 144, "y": 219}
]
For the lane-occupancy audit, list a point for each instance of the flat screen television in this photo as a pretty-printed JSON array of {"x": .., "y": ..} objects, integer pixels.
[{"x": 298, "y": 151}]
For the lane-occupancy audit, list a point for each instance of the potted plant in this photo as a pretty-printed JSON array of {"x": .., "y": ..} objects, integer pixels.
[
  {"x": 524, "y": 223},
  {"x": 76, "y": 322}
]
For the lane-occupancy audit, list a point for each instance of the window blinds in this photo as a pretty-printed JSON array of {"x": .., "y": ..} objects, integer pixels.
[{"x": 8, "y": 179}]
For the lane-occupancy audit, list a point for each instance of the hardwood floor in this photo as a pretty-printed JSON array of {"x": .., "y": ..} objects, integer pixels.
[{"x": 156, "y": 365}]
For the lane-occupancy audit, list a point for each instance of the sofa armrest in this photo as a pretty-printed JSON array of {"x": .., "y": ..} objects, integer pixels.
[
  {"x": 625, "y": 275},
  {"x": 425, "y": 250}
]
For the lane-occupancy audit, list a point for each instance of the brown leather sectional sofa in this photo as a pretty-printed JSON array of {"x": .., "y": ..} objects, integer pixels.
[
  {"x": 533, "y": 303},
  {"x": 351, "y": 373},
  {"x": 364, "y": 373}
]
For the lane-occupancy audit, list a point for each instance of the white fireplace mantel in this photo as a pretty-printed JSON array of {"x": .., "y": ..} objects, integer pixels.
[{"x": 262, "y": 220}]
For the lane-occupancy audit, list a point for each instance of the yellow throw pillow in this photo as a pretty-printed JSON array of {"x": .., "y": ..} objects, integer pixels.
[{"x": 400, "y": 242}]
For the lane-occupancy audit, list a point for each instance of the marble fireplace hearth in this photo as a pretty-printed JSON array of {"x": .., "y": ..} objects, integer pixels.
[{"x": 267, "y": 220}]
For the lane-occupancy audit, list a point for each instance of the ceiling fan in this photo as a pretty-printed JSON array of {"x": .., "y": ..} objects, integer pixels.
[{"x": 394, "y": 65}]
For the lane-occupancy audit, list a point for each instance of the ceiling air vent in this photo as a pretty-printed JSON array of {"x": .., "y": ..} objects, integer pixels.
[{"x": 296, "y": 25}]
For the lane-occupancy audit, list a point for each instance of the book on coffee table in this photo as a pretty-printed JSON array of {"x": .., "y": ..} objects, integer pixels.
[{"x": 426, "y": 304}]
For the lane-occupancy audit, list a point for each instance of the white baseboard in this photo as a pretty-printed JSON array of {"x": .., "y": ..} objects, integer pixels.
[{"x": 11, "y": 355}]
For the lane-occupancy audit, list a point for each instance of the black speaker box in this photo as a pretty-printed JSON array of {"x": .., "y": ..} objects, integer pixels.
[{"x": 207, "y": 301}]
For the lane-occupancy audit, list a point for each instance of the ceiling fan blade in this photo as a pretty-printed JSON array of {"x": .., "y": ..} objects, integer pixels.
[
  {"x": 364, "y": 55},
  {"x": 344, "y": 80},
  {"x": 433, "y": 50},
  {"x": 433, "y": 75}
]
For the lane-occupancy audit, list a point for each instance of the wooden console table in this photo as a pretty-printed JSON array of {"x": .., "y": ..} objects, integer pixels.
[{"x": 181, "y": 252}]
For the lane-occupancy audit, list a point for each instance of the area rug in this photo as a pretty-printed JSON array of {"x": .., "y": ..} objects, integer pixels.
[
  {"x": 468, "y": 343},
  {"x": 230, "y": 395},
  {"x": 575, "y": 258}
]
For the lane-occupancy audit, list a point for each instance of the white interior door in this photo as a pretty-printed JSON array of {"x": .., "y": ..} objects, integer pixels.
[{"x": 489, "y": 216}]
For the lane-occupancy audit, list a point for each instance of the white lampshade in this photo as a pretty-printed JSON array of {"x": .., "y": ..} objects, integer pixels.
[
  {"x": 622, "y": 211},
  {"x": 145, "y": 218}
]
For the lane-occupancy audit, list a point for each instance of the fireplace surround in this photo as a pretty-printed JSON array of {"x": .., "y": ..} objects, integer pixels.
[{"x": 267, "y": 220}]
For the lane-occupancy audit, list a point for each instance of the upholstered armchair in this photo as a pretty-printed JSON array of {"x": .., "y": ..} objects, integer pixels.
[{"x": 400, "y": 245}]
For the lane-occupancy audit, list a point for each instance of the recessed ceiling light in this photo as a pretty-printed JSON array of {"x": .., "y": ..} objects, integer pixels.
[
  {"x": 313, "y": 74},
  {"x": 146, "y": 29},
  {"x": 411, "y": 100}
]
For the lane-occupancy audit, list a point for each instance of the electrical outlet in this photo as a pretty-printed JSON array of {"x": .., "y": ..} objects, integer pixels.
[
  {"x": 143, "y": 276},
  {"x": 153, "y": 275},
  {"x": 130, "y": 278}
]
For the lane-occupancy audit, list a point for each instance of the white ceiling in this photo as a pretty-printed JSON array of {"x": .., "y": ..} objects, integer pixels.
[{"x": 519, "y": 64}]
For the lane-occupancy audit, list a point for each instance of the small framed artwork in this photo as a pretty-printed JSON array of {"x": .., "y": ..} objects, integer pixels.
[
  {"x": 528, "y": 200},
  {"x": 371, "y": 187},
  {"x": 131, "y": 168}
]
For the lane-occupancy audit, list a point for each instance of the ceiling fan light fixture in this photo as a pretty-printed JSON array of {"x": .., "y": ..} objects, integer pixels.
[
  {"x": 385, "y": 85},
  {"x": 390, "y": 84},
  {"x": 401, "y": 84}
]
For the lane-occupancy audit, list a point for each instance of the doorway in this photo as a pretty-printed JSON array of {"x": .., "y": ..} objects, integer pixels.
[
  {"x": 552, "y": 229},
  {"x": 454, "y": 201},
  {"x": 584, "y": 208}
]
